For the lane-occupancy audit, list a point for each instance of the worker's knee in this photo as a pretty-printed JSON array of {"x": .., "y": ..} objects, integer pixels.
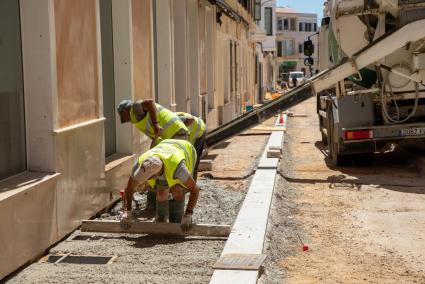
[
  {"x": 178, "y": 192},
  {"x": 162, "y": 194}
]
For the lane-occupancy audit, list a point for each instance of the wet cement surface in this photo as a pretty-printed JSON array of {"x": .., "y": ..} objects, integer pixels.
[{"x": 142, "y": 258}]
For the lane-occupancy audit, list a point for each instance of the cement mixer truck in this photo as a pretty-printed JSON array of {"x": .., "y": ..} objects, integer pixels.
[
  {"x": 371, "y": 90},
  {"x": 382, "y": 103}
]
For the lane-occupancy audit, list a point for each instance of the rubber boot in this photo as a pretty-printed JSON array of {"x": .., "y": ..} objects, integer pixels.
[
  {"x": 162, "y": 211},
  {"x": 176, "y": 211},
  {"x": 151, "y": 200}
]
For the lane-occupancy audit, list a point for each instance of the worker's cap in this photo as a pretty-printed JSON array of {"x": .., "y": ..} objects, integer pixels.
[
  {"x": 150, "y": 166},
  {"x": 123, "y": 106}
]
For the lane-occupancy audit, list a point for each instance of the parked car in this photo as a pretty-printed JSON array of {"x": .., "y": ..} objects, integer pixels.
[{"x": 296, "y": 77}]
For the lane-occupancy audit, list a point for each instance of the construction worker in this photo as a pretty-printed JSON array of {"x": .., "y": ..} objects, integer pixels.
[
  {"x": 198, "y": 131},
  {"x": 171, "y": 164},
  {"x": 154, "y": 120}
]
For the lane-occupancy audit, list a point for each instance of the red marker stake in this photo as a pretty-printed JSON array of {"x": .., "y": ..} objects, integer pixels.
[{"x": 305, "y": 246}]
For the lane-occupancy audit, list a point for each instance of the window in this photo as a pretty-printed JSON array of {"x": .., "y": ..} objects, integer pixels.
[
  {"x": 12, "y": 115},
  {"x": 231, "y": 66},
  {"x": 257, "y": 10},
  {"x": 285, "y": 24},
  {"x": 279, "y": 24},
  {"x": 236, "y": 66},
  {"x": 293, "y": 22},
  {"x": 268, "y": 18},
  {"x": 288, "y": 47},
  {"x": 308, "y": 27},
  {"x": 315, "y": 27},
  {"x": 256, "y": 69},
  {"x": 301, "y": 27},
  {"x": 108, "y": 76},
  {"x": 279, "y": 49},
  {"x": 300, "y": 48}
]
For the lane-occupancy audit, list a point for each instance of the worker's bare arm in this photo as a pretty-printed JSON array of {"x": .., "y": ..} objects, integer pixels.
[
  {"x": 126, "y": 218},
  {"x": 193, "y": 188},
  {"x": 132, "y": 184},
  {"x": 149, "y": 106}
]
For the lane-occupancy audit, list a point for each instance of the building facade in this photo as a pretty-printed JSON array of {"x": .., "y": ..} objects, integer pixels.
[
  {"x": 293, "y": 28},
  {"x": 66, "y": 64},
  {"x": 265, "y": 38}
]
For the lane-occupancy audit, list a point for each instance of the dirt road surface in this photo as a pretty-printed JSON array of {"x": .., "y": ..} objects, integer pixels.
[{"x": 362, "y": 225}]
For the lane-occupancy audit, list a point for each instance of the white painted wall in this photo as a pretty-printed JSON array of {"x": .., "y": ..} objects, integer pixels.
[
  {"x": 181, "y": 79},
  {"x": 165, "y": 53},
  {"x": 123, "y": 68},
  {"x": 270, "y": 43},
  {"x": 193, "y": 59}
]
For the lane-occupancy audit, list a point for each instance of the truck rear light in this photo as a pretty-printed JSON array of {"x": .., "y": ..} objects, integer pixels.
[{"x": 358, "y": 134}]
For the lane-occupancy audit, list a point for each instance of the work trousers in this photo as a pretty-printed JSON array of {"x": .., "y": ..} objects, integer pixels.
[{"x": 199, "y": 147}]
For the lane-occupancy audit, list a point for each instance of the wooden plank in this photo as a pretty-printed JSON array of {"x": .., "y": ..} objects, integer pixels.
[
  {"x": 205, "y": 165},
  {"x": 273, "y": 153},
  {"x": 152, "y": 228}
]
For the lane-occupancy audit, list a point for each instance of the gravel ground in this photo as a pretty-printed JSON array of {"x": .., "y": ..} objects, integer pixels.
[{"x": 144, "y": 259}]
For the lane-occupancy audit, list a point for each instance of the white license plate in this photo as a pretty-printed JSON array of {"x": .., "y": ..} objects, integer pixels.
[{"x": 412, "y": 132}]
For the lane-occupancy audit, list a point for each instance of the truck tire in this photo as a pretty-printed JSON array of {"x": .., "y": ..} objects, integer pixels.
[{"x": 338, "y": 159}]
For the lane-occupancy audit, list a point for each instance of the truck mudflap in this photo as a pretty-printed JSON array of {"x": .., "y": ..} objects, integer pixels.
[{"x": 384, "y": 133}]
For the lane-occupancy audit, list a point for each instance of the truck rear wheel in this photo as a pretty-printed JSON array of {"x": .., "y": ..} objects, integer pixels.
[{"x": 338, "y": 159}]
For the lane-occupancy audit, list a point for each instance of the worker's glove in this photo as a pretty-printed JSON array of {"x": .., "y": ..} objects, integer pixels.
[
  {"x": 186, "y": 222},
  {"x": 126, "y": 220}
]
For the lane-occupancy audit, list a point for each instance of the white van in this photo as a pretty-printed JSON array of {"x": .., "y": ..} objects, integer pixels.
[{"x": 298, "y": 75}]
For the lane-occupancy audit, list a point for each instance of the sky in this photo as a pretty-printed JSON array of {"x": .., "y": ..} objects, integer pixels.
[{"x": 307, "y": 6}]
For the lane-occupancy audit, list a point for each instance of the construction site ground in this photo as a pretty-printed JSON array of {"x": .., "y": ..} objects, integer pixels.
[
  {"x": 149, "y": 259},
  {"x": 361, "y": 224}
]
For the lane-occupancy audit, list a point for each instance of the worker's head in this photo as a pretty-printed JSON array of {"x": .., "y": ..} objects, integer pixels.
[
  {"x": 150, "y": 168},
  {"x": 123, "y": 110}
]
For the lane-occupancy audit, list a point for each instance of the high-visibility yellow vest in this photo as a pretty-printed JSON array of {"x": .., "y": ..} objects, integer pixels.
[
  {"x": 196, "y": 129},
  {"x": 172, "y": 152},
  {"x": 168, "y": 120}
]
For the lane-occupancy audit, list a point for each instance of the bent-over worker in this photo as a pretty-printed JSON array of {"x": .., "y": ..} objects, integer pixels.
[
  {"x": 197, "y": 135},
  {"x": 152, "y": 119},
  {"x": 171, "y": 163}
]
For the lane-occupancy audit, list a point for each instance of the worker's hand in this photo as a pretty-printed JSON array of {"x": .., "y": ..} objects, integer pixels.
[
  {"x": 186, "y": 221},
  {"x": 126, "y": 220}
]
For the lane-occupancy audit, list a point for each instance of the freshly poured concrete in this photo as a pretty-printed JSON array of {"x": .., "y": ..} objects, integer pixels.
[{"x": 144, "y": 259}]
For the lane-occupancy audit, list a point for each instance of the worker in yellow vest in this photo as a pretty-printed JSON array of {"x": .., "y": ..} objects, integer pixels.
[
  {"x": 171, "y": 164},
  {"x": 152, "y": 119},
  {"x": 198, "y": 131}
]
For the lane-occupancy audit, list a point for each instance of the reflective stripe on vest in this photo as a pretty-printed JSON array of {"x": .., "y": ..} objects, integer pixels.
[
  {"x": 197, "y": 128},
  {"x": 167, "y": 119},
  {"x": 172, "y": 152}
]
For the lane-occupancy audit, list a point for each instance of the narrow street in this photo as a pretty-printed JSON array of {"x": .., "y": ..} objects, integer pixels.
[
  {"x": 361, "y": 224},
  {"x": 177, "y": 141}
]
